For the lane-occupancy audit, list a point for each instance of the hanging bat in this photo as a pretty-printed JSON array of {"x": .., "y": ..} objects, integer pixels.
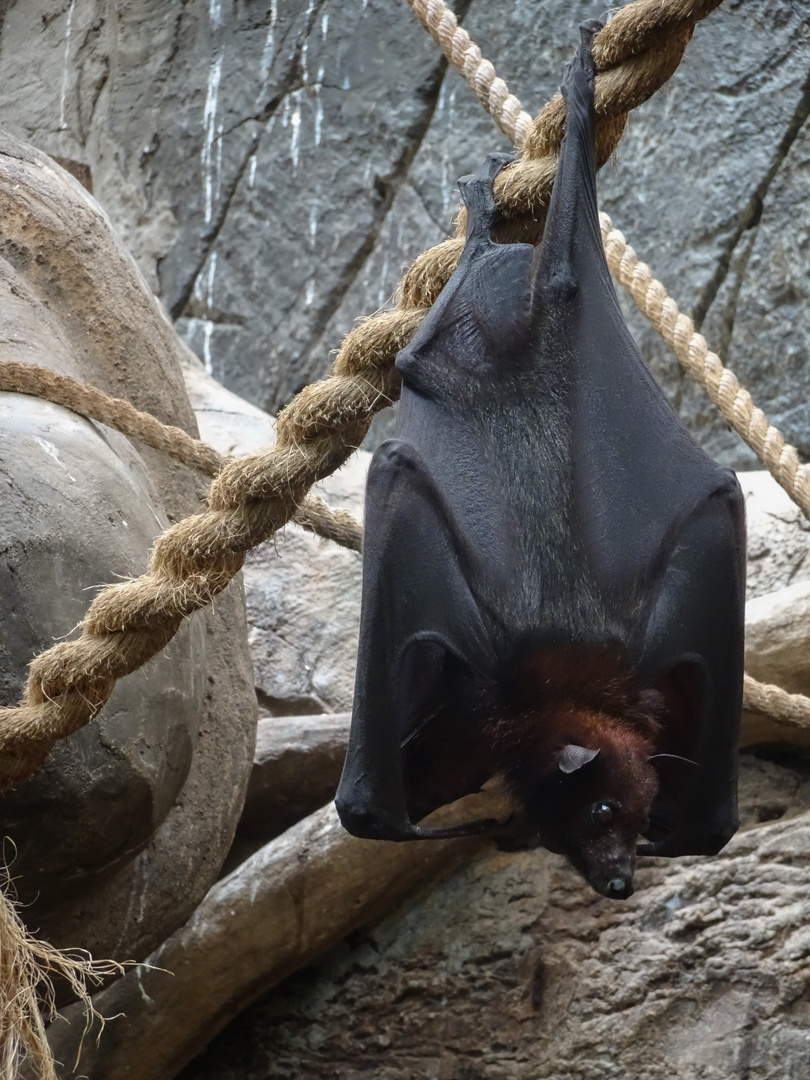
[{"x": 553, "y": 570}]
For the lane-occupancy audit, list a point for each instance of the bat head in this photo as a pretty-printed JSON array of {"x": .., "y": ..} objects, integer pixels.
[
  {"x": 594, "y": 805},
  {"x": 581, "y": 771}
]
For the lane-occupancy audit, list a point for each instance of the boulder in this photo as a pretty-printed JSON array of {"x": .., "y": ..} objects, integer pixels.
[
  {"x": 121, "y": 833},
  {"x": 777, "y": 638},
  {"x": 295, "y": 772},
  {"x": 778, "y": 536},
  {"x": 80, "y": 509}
]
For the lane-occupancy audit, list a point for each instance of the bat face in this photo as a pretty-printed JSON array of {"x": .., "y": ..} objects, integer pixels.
[
  {"x": 595, "y": 814},
  {"x": 579, "y": 765}
]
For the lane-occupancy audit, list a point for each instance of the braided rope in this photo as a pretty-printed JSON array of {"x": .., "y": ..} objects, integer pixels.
[
  {"x": 195, "y": 559},
  {"x": 493, "y": 93},
  {"x": 313, "y": 514}
]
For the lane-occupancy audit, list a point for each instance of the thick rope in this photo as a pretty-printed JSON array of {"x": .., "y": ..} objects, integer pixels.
[
  {"x": 313, "y": 514},
  {"x": 250, "y": 499}
]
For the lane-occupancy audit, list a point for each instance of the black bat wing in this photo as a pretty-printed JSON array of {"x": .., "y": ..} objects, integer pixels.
[
  {"x": 693, "y": 652},
  {"x": 417, "y": 596},
  {"x": 662, "y": 524}
]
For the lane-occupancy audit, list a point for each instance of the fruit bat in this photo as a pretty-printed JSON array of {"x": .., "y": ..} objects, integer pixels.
[{"x": 553, "y": 574}]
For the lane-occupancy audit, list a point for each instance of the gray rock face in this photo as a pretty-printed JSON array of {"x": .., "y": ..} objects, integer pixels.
[
  {"x": 273, "y": 166},
  {"x": 101, "y": 795},
  {"x": 295, "y": 772},
  {"x": 127, "y": 825},
  {"x": 511, "y": 968},
  {"x": 778, "y": 536}
]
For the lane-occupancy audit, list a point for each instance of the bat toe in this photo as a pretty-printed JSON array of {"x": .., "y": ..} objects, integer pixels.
[{"x": 477, "y": 195}]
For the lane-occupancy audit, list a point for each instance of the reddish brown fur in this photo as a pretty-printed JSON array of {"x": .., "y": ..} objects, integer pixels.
[
  {"x": 568, "y": 696},
  {"x": 586, "y": 699},
  {"x": 519, "y": 725}
]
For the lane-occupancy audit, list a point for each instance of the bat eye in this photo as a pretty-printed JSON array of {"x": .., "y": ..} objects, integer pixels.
[{"x": 601, "y": 813}]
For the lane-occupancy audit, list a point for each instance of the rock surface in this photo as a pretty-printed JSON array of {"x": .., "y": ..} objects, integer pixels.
[
  {"x": 778, "y": 536},
  {"x": 102, "y": 794},
  {"x": 295, "y": 772},
  {"x": 272, "y": 165},
  {"x": 777, "y": 638},
  {"x": 127, "y": 825},
  {"x": 512, "y": 968}
]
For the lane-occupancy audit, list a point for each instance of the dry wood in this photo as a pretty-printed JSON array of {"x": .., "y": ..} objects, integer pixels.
[{"x": 288, "y": 903}]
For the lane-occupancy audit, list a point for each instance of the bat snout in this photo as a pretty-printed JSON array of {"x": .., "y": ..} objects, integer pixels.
[
  {"x": 618, "y": 888},
  {"x": 613, "y": 879}
]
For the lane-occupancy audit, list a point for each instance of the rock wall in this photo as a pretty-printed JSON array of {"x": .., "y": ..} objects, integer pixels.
[
  {"x": 274, "y": 163},
  {"x": 512, "y": 968}
]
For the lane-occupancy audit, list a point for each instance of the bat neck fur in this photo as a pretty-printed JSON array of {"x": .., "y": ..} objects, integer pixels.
[{"x": 583, "y": 696}]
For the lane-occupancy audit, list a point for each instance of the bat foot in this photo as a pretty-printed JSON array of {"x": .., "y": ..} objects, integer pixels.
[
  {"x": 582, "y": 63},
  {"x": 588, "y": 31},
  {"x": 477, "y": 195}
]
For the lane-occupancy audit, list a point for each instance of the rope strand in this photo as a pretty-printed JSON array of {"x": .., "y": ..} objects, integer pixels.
[
  {"x": 313, "y": 514},
  {"x": 734, "y": 402}
]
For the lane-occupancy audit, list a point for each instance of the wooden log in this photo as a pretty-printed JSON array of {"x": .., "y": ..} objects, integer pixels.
[
  {"x": 296, "y": 768},
  {"x": 280, "y": 909}
]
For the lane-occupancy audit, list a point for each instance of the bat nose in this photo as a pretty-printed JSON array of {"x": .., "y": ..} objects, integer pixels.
[{"x": 619, "y": 888}]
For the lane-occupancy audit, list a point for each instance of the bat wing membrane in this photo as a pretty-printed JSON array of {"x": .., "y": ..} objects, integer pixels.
[
  {"x": 693, "y": 652},
  {"x": 662, "y": 524},
  {"x": 416, "y": 600}
]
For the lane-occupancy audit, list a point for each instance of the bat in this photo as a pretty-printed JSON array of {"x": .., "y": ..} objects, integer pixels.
[{"x": 554, "y": 571}]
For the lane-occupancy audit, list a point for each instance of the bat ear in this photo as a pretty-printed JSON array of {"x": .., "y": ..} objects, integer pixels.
[{"x": 573, "y": 757}]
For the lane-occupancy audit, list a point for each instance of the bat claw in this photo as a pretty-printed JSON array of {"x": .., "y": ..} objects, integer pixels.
[
  {"x": 588, "y": 31},
  {"x": 477, "y": 195},
  {"x": 482, "y": 827},
  {"x": 582, "y": 62}
]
